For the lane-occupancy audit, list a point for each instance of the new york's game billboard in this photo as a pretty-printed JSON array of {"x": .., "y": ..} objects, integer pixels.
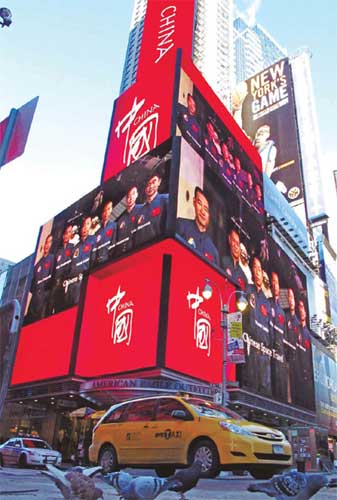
[{"x": 264, "y": 107}]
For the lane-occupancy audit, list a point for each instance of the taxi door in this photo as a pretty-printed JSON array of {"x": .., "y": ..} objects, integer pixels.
[
  {"x": 134, "y": 443},
  {"x": 169, "y": 436}
]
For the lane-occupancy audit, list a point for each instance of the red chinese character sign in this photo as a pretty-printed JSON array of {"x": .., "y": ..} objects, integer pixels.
[
  {"x": 141, "y": 121},
  {"x": 120, "y": 317},
  {"x": 195, "y": 339},
  {"x": 141, "y": 117}
]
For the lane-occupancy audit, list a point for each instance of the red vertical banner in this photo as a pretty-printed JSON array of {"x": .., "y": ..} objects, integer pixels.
[
  {"x": 168, "y": 26},
  {"x": 142, "y": 114},
  {"x": 14, "y": 131}
]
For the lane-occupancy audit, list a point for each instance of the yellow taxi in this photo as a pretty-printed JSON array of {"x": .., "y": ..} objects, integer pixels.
[{"x": 167, "y": 432}]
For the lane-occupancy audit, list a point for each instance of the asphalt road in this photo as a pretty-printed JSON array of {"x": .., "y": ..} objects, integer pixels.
[{"x": 26, "y": 484}]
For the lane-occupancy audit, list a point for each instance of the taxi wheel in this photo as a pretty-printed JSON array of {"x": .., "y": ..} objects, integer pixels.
[
  {"x": 165, "y": 471},
  {"x": 206, "y": 451},
  {"x": 23, "y": 461},
  {"x": 107, "y": 459}
]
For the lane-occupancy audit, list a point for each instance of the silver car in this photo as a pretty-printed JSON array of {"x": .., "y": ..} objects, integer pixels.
[{"x": 25, "y": 451}]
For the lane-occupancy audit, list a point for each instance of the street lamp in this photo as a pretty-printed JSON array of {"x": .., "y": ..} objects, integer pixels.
[{"x": 241, "y": 304}]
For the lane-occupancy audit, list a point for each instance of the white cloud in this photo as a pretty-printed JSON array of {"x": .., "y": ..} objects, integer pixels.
[{"x": 249, "y": 10}]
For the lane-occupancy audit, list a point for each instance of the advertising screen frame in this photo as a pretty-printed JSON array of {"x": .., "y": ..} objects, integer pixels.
[{"x": 261, "y": 105}]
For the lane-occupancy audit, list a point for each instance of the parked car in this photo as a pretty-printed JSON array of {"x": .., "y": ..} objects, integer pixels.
[
  {"x": 167, "y": 432},
  {"x": 25, "y": 451}
]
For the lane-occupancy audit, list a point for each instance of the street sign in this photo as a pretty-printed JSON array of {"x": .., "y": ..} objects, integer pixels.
[{"x": 235, "y": 346}]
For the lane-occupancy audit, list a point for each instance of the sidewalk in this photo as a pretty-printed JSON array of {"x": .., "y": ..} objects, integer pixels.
[{"x": 30, "y": 484}]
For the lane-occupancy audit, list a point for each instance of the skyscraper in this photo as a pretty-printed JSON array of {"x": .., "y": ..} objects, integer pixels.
[
  {"x": 213, "y": 50},
  {"x": 134, "y": 43},
  {"x": 255, "y": 49}
]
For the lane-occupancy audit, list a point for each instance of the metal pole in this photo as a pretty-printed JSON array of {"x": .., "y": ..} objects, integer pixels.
[
  {"x": 224, "y": 310},
  {"x": 224, "y": 326},
  {"x": 10, "y": 349}
]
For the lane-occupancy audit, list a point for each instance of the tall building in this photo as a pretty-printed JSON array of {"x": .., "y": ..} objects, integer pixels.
[
  {"x": 255, "y": 49},
  {"x": 213, "y": 49},
  {"x": 15, "y": 280},
  {"x": 134, "y": 43},
  {"x": 4, "y": 266}
]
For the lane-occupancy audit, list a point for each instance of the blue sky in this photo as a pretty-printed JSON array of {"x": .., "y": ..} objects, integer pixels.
[{"x": 71, "y": 54}]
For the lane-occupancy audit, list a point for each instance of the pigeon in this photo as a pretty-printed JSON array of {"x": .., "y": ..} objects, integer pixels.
[
  {"x": 295, "y": 485},
  {"x": 187, "y": 478},
  {"x": 75, "y": 484},
  {"x": 119, "y": 480},
  {"x": 139, "y": 488}
]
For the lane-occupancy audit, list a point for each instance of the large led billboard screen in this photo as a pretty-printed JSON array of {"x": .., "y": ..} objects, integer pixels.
[
  {"x": 195, "y": 339},
  {"x": 141, "y": 120},
  {"x": 45, "y": 348},
  {"x": 220, "y": 216},
  {"x": 121, "y": 316},
  {"x": 220, "y": 213},
  {"x": 138, "y": 314},
  {"x": 124, "y": 213},
  {"x": 264, "y": 107},
  {"x": 275, "y": 330}
]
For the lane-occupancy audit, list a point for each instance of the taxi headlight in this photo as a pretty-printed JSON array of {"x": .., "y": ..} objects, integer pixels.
[{"x": 235, "y": 428}]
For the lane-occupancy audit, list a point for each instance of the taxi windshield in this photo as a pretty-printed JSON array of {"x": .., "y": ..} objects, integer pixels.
[{"x": 209, "y": 409}]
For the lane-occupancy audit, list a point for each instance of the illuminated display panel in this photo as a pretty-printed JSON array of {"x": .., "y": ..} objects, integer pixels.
[
  {"x": 119, "y": 329},
  {"x": 44, "y": 349},
  {"x": 124, "y": 213},
  {"x": 220, "y": 179},
  {"x": 276, "y": 335},
  {"x": 195, "y": 340},
  {"x": 218, "y": 219},
  {"x": 141, "y": 118},
  {"x": 141, "y": 121}
]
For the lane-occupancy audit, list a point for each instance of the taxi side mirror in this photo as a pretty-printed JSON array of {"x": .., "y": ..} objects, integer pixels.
[{"x": 179, "y": 414}]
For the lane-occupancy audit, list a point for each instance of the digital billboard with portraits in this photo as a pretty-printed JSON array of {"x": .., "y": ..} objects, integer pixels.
[
  {"x": 221, "y": 218},
  {"x": 278, "y": 356},
  {"x": 218, "y": 148},
  {"x": 124, "y": 213},
  {"x": 220, "y": 211}
]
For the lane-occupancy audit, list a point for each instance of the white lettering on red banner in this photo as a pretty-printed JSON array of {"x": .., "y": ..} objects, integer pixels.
[
  {"x": 121, "y": 330},
  {"x": 202, "y": 326},
  {"x": 143, "y": 138},
  {"x": 166, "y": 31}
]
